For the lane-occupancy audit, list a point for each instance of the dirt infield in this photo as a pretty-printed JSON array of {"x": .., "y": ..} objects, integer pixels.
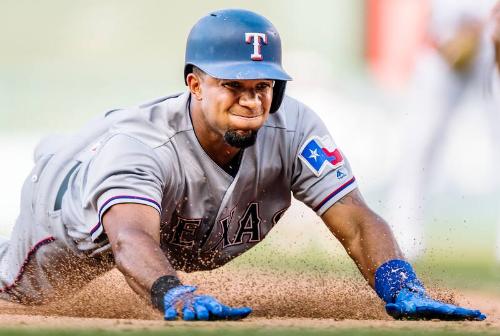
[{"x": 279, "y": 300}]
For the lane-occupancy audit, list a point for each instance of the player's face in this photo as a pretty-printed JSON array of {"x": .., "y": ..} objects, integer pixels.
[{"x": 235, "y": 109}]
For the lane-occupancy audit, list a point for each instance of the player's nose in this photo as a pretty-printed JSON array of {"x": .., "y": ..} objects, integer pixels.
[{"x": 251, "y": 101}]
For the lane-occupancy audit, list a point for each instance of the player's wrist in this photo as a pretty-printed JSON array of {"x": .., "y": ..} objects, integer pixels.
[
  {"x": 394, "y": 275},
  {"x": 160, "y": 287}
]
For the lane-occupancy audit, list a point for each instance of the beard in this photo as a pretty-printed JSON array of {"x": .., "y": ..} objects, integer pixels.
[{"x": 238, "y": 140}]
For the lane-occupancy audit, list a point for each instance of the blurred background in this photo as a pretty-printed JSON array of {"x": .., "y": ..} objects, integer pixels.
[{"x": 406, "y": 87}]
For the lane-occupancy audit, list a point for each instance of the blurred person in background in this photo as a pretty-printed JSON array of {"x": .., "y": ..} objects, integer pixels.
[
  {"x": 496, "y": 33},
  {"x": 495, "y": 36},
  {"x": 456, "y": 61}
]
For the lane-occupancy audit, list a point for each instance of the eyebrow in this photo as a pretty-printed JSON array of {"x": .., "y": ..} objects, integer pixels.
[{"x": 242, "y": 81}]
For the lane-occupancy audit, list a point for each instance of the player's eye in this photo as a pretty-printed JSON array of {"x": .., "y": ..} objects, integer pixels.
[
  {"x": 232, "y": 85},
  {"x": 262, "y": 86}
]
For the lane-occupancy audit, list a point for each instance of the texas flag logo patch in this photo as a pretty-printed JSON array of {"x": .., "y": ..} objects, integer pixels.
[{"x": 317, "y": 153}]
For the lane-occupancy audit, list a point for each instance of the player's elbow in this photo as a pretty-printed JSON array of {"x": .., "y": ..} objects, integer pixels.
[
  {"x": 121, "y": 245},
  {"x": 122, "y": 241},
  {"x": 125, "y": 247}
]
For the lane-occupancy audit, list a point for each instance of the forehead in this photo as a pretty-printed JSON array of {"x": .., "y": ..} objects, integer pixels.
[{"x": 242, "y": 82}]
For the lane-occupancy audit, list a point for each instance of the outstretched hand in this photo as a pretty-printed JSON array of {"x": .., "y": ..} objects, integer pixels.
[
  {"x": 418, "y": 305},
  {"x": 182, "y": 300}
]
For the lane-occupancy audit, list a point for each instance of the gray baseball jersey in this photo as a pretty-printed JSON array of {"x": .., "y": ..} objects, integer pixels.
[{"x": 150, "y": 155}]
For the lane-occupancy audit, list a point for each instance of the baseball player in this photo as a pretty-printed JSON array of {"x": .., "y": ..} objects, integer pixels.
[
  {"x": 458, "y": 62},
  {"x": 190, "y": 181},
  {"x": 496, "y": 33}
]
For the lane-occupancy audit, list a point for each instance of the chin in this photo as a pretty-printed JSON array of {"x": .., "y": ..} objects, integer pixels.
[
  {"x": 243, "y": 132},
  {"x": 240, "y": 138}
]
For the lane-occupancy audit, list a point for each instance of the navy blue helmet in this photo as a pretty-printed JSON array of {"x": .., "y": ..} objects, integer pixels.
[{"x": 237, "y": 44}]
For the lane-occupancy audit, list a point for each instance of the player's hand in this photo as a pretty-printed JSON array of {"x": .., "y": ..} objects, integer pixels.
[
  {"x": 418, "y": 305},
  {"x": 182, "y": 300}
]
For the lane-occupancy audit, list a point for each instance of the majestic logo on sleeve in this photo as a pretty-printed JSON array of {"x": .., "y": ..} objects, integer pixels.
[
  {"x": 317, "y": 153},
  {"x": 256, "y": 38}
]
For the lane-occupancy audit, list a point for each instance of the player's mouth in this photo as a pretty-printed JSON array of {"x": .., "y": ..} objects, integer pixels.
[
  {"x": 246, "y": 117},
  {"x": 246, "y": 120}
]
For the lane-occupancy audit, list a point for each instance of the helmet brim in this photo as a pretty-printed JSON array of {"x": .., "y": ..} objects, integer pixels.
[{"x": 244, "y": 70}]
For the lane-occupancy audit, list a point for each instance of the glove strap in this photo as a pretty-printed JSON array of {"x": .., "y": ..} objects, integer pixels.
[
  {"x": 394, "y": 275},
  {"x": 160, "y": 287}
]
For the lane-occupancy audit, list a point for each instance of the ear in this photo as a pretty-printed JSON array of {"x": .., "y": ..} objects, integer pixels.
[{"x": 194, "y": 85}]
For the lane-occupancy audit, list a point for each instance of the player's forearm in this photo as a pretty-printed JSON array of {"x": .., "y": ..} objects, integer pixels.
[
  {"x": 495, "y": 16},
  {"x": 496, "y": 41},
  {"x": 140, "y": 259},
  {"x": 373, "y": 245},
  {"x": 366, "y": 236},
  {"x": 497, "y": 54}
]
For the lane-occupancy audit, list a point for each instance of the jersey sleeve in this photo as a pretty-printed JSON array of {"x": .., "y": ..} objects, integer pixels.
[
  {"x": 124, "y": 170},
  {"x": 321, "y": 173}
]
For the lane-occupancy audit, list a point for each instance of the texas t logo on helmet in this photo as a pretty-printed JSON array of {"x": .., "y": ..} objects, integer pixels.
[{"x": 256, "y": 37}]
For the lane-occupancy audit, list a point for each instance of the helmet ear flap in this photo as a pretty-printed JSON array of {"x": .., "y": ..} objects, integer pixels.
[{"x": 278, "y": 94}]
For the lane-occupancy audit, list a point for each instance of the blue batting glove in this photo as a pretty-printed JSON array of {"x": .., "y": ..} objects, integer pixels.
[
  {"x": 417, "y": 305},
  {"x": 397, "y": 284},
  {"x": 199, "y": 307}
]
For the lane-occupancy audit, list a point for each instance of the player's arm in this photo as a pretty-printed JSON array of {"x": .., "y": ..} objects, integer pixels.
[
  {"x": 366, "y": 236},
  {"x": 496, "y": 33},
  {"x": 369, "y": 242},
  {"x": 460, "y": 50},
  {"x": 134, "y": 233}
]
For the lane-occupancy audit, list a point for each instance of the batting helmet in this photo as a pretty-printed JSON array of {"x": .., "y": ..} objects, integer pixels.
[{"x": 237, "y": 44}]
